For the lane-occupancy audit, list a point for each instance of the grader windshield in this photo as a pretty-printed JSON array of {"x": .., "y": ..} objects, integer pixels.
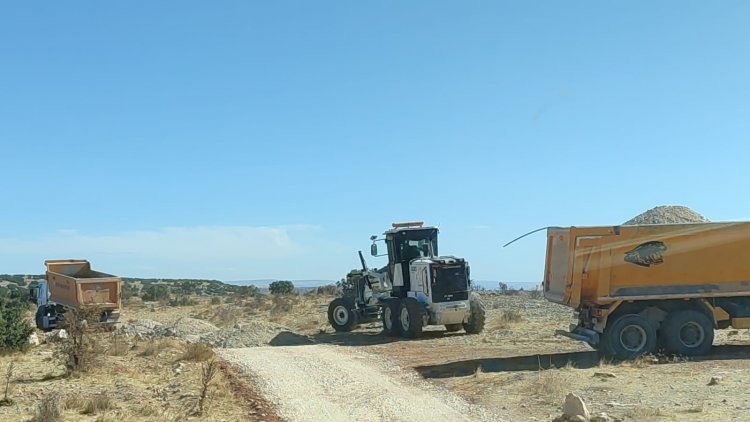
[{"x": 405, "y": 245}]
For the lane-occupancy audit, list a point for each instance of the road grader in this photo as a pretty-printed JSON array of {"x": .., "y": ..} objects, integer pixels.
[{"x": 417, "y": 288}]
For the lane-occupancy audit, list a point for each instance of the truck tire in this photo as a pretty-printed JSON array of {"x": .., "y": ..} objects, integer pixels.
[
  {"x": 40, "y": 312},
  {"x": 391, "y": 324},
  {"x": 687, "y": 333},
  {"x": 475, "y": 325},
  {"x": 341, "y": 314},
  {"x": 410, "y": 318},
  {"x": 452, "y": 328},
  {"x": 629, "y": 336}
]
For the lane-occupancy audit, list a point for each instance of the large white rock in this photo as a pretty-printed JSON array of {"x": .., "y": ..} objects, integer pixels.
[
  {"x": 34, "y": 340},
  {"x": 575, "y": 407}
]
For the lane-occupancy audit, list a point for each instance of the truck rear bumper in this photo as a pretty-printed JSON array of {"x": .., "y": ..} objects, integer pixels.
[
  {"x": 580, "y": 334},
  {"x": 113, "y": 316}
]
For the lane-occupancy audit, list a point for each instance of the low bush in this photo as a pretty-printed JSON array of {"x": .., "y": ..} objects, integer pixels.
[
  {"x": 48, "y": 409},
  {"x": 197, "y": 352},
  {"x": 512, "y": 315}
]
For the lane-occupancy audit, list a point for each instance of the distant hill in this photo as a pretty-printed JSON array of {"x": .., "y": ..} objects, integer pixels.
[
  {"x": 263, "y": 283},
  {"x": 516, "y": 285}
]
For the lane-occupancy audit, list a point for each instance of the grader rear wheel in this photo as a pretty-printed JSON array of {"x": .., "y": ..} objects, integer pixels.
[{"x": 475, "y": 325}]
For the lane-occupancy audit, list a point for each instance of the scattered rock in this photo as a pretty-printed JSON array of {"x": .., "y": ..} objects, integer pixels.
[
  {"x": 34, "y": 340},
  {"x": 250, "y": 334},
  {"x": 733, "y": 333},
  {"x": 715, "y": 380},
  {"x": 604, "y": 375},
  {"x": 574, "y": 407},
  {"x": 614, "y": 404},
  {"x": 601, "y": 417}
]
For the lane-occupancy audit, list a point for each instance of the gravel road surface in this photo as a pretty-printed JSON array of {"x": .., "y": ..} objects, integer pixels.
[{"x": 335, "y": 383}]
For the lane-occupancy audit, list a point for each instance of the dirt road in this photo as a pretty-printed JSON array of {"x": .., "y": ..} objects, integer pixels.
[{"x": 334, "y": 383}]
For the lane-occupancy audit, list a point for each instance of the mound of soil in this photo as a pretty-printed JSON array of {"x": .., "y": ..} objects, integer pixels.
[
  {"x": 254, "y": 333},
  {"x": 250, "y": 334},
  {"x": 667, "y": 214}
]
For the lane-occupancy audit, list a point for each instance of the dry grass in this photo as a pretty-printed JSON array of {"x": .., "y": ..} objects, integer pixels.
[
  {"x": 99, "y": 403},
  {"x": 226, "y": 315},
  {"x": 511, "y": 316},
  {"x": 48, "y": 409},
  {"x": 118, "y": 346},
  {"x": 153, "y": 348},
  {"x": 642, "y": 362},
  {"x": 282, "y": 304},
  {"x": 644, "y": 413},
  {"x": 197, "y": 352},
  {"x": 549, "y": 385}
]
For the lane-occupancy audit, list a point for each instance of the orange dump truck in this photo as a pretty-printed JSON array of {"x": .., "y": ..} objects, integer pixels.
[
  {"x": 72, "y": 284},
  {"x": 639, "y": 289}
]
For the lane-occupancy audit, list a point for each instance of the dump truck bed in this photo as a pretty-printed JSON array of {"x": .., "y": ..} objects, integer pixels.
[
  {"x": 600, "y": 265},
  {"x": 72, "y": 283}
]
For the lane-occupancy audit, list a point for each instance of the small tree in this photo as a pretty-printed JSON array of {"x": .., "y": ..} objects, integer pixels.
[
  {"x": 281, "y": 287},
  {"x": 78, "y": 350},
  {"x": 209, "y": 370},
  {"x": 6, "y": 401}
]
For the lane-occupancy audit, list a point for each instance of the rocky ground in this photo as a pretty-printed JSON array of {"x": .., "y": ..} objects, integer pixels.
[{"x": 516, "y": 370}]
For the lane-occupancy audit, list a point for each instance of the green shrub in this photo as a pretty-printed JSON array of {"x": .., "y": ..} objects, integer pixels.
[
  {"x": 249, "y": 290},
  {"x": 15, "y": 329},
  {"x": 155, "y": 292},
  {"x": 281, "y": 287},
  {"x": 183, "y": 301}
]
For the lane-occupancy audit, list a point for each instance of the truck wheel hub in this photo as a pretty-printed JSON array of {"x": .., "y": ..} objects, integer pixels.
[
  {"x": 633, "y": 338},
  {"x": 405, "y": 319},
  {"x": 341, "y": 315},
  {"x": 692, "y": 334}
]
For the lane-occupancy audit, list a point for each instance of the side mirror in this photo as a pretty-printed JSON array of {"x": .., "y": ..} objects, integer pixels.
[{"x": 374, "y": 249}]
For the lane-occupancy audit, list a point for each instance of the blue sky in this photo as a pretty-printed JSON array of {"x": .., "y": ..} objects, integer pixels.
[{"x": 242, "y": 140}]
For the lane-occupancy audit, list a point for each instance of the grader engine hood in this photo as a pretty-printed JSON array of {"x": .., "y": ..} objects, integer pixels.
[{"x": 449, "y": 279}]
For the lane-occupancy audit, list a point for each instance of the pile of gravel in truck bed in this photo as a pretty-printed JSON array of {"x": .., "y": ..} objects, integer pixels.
[{"x": 667, "y": 214}]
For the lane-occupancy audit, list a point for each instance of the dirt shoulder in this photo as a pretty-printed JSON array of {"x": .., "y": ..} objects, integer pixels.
[{"x": 144, "y": 380}]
